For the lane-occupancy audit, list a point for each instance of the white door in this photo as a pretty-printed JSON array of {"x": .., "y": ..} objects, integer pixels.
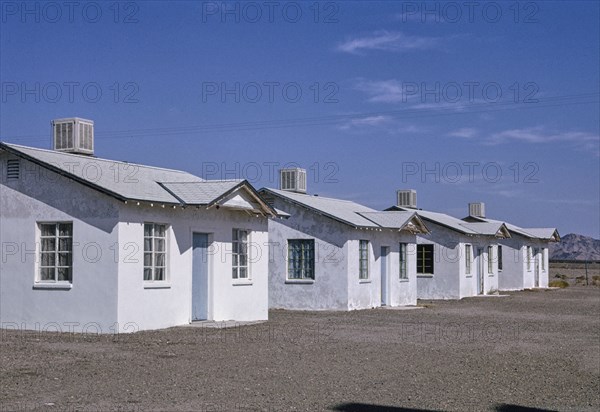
[
  {"x": 200, "y": 276},
  {"x": 480, "y": 278},
  {"x": 385, "y": 251},
  {"x": 536, "y": 267}
]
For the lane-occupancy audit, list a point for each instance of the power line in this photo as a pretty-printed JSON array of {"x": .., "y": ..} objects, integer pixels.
[{"x": 444, "y": 109}]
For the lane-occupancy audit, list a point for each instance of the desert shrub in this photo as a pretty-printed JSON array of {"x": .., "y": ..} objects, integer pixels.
[{"x": 558, "y": 284}]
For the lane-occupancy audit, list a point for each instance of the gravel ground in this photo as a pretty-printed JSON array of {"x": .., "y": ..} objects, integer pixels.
[{"x": 529, "y": 351}]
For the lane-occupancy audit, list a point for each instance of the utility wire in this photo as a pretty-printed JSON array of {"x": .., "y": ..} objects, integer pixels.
[{"x": 420, "y": 111}]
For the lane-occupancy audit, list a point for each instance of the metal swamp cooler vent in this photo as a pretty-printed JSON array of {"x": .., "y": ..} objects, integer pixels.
[
  {"x": 407, "y": 198},
  {"x": 293, "y": 180},
  {"x": 73, "y": 135}
]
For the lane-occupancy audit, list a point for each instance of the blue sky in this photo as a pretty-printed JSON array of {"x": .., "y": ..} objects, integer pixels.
[{"x": 495, "y": 103}]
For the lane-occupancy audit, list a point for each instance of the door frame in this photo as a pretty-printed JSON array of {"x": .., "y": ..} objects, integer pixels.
[
  {"x": 209, "y": 278},
  {"x": 536, "y": 267},
  {"x": 385, "y": 275},
  {"x": 480, "y": 275}
]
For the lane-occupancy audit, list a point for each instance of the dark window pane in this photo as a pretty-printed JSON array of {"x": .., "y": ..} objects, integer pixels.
[
  {"x": 64, "y": 244},
  {"x": 64, "y": 274},
  {"x": 64, "y": 259},
  {"x": 48, "y": 259},
  {"x": 47, "y": 273},
  {"x": 160, "y": 259},
  {"x": 48, "y": 229},
  {"x": 65, "y": 229},
  {"x": 48, "y": 245},
  {"x": 147, "y": 259}
]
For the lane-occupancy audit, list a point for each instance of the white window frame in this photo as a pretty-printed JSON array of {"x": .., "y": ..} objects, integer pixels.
[
  {"x": 490, "y": 261},
  {"x": 544, "y": 253},
  {"x": 403, "y": 261},
  {"x": 154, "y": 253},
  {"x": 468, "y": 258},
  {"x": 529, "y": 257},
  {"x": 500, "y": 262},
  {"x": 239, "y": 249},
  {"x": 56, "y": 253},
  {"x": 306, "y": 266},
  {"x": 426, "y": 246},
  {"x": 363, "y": 259}
]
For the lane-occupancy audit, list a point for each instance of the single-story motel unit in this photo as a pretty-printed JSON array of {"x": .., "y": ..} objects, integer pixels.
[
  {"x": 117, "y": 247},
  {"x": 103, "y": 246}
]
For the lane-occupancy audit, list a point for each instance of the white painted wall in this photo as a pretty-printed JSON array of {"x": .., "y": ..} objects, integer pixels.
[
  {"x": 337, "y": 285},
  {"x": 229, "y": 299},
  {"x": 512, "y": 276},
  {"x": 40, "y": 195},
  {"x": 450, "y": 280},
  {"x": 330, "y": 287},
  {"x": 108, "y": 292},
  {"x": 515, "y": 275}
]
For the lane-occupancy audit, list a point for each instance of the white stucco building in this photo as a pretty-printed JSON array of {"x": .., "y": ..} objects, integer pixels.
[
  {"x": 523, "y": 260},
  {"x": 90, "y": 244},
  {"x": 456, "y": 259},
  {"x": 333, "y": 254}
]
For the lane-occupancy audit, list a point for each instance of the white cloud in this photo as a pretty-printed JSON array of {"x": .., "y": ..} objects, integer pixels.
[
  {"x": 465, "y": 133},
  {"x": 365, "y": 121},
  {"x": 384, "y": 91},
  {"x": 381, "y": 123},
  {"x": 539, "y": 135},
  {"x": 387, "y": 41}
]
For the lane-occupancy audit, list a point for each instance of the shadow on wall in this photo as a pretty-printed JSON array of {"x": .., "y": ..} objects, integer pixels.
[{"x": 365, "y": 407}]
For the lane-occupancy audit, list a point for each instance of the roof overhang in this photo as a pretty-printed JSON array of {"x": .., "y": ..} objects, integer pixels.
[
  {"x": 503, "y": 232},
  {"x": 312, "y": 209},
  {"x": 66, "y": 174},
  {"x": 415, "y": 225},
  {"x": 263, "y": 208}
]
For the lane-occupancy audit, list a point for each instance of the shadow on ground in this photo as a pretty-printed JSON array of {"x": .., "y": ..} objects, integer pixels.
[{"x": 366, "y": 407}]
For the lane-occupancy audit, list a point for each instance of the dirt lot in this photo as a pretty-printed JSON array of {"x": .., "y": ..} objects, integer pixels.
[
  {"x": 574, "y": 273},
  {"x": 536, "y": 350}
]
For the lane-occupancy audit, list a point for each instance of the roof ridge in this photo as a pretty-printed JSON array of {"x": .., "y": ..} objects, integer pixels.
[
  {"x": 321, "y": 197},
  {"x": 206, "y": 181},
  {"x": 17, "y": 146}
]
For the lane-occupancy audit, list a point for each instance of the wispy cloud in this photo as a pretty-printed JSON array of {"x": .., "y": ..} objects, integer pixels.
[
  {"x": 465, "y": 133},
  {"x": 384, "y": 91},
  {"x": 538, "y": 134},
  {"x": 384, "y": 40},
  {"x": 383, "y": 124},
  {"x": 366, "y": 121}
]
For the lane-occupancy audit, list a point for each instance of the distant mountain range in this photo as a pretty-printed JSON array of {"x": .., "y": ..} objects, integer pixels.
[{"x": 575, "y": 247}]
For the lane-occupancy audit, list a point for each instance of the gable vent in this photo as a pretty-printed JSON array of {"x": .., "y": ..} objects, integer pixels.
[
  {"x": 13, "y": 169},
  {"x": 477, "y": 209},
  {"x": 407, "y": 198},
  {"x": 73, "y": 135},
  {"x": 293, "y": 180}
]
